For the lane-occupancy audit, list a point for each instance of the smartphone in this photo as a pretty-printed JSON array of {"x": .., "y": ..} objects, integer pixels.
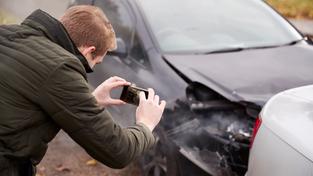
[{"x": 130, "y": 94}]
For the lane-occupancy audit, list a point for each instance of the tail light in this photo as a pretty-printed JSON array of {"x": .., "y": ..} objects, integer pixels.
[{"x": 255, "y": 130}]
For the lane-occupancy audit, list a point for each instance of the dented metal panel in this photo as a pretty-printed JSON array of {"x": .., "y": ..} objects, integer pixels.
[{"x": 214, "y": 139}]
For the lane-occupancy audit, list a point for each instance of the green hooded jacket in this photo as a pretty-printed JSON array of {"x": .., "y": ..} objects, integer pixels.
[{"x": 43, "y": 89}]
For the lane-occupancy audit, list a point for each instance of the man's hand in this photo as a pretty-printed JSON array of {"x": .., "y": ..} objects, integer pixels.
[
  {"x": 102, "y": 92},
  {"x": 149, "y": 111}
]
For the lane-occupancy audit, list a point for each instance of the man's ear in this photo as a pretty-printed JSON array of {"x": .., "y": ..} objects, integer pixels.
[{"x": 86, "y": 50}]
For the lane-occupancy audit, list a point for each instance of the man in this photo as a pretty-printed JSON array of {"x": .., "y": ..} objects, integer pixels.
[{"x": 43, "y": 88}]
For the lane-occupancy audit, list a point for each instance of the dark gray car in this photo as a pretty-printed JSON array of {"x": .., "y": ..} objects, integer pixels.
[{"x": 215, "y": 62}]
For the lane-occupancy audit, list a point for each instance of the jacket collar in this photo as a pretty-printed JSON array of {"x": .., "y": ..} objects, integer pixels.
[{"x": 56, "y": 32}]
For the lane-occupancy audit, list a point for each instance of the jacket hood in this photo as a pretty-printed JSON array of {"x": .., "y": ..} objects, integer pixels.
[
  {"x": 249, "y": 75},
  {"x": 56, "y": 32}
]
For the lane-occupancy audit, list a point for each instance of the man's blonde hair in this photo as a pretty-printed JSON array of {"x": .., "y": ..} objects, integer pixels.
[{"x": 88, "y": 26}]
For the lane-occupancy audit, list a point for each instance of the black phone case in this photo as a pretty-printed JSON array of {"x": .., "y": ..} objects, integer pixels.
[{"x": 130, "y": 94}]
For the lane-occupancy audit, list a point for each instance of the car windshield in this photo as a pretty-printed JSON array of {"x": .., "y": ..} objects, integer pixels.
[{"x": 193, "y": 26}]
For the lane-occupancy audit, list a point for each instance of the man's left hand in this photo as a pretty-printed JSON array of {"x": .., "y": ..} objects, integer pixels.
[{"x": 102, "y": 92}]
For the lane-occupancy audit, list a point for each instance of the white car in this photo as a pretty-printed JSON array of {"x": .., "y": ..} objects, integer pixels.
[{"x": 283, "y": 136}]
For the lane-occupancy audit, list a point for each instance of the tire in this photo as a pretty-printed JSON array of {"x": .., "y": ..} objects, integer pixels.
[{"x": 161, "y": 159}]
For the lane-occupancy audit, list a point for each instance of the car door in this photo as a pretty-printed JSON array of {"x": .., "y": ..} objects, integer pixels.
[{"x": 133, "y": 67}]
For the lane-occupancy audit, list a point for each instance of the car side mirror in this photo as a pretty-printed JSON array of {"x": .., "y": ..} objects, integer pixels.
[
  {"x": 121, "y": 50},
  {"x": 309, "y": 39}
]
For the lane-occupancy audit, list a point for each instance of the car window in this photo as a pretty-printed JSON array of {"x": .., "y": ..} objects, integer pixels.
[
  {"x": 80, "y": 2},
  {"x": 137, "y": 52},
  {"x": 120, "y": 17},
  {"x": 206, "y": 25}
]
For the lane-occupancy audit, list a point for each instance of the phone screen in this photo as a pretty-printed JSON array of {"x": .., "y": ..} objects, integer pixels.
[{"x": 130, "y": 94}]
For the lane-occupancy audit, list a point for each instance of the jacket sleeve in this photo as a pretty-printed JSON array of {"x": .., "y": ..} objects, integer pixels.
[{"x": 67, "y": 99}]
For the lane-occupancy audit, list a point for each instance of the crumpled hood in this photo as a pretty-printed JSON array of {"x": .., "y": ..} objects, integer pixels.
[{"x": 249, "y": 75}]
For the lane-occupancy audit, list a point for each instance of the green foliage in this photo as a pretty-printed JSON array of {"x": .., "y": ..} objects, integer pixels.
[{"x": 294, "y": 8}]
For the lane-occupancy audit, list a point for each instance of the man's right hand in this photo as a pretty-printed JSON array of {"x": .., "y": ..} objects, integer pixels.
[
  {"x": 102, "y": 92},
  {"x": 149, "y": 111}
]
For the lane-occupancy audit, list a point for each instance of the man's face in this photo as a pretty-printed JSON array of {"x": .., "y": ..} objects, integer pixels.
[
  {"x": 88, "y": 53},
  {"x": 93, "y": 59}
]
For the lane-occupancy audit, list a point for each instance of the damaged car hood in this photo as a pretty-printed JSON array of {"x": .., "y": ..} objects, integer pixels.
[{"x": 249, "y": 75}]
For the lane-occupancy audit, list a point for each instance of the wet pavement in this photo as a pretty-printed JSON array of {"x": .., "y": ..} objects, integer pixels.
[{"x": 65, "y": 158}]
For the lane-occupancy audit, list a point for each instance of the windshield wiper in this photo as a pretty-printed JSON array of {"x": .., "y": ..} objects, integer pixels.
[
  {"x": 277, "y": 46},
  {"x": 237, "y": 49},
  {"x": 294, "y": 42},
  {"x": 226, "y": 50}
]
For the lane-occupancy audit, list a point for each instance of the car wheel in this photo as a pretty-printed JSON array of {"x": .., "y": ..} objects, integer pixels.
[{"x": 160, "y": 160}]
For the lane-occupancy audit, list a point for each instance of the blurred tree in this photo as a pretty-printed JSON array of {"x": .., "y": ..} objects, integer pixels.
[{"x": 293, "y": 8}]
